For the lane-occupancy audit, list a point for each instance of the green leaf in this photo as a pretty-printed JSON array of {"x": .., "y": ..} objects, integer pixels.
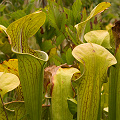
[
  {"x": 95, "y": 23},
  {"x": 29, "y": 7},
  {"x": 46, "y": 45},
  {"x": 2, "y": 7},
  {"x": 46, "y": 113},
  {"x": 76, "y": 9},
  {"x": 15, "y": 111},
  {"x": 70, "y": 19},
  {"x": 84, "y": 14},
  {"x": 19, "y": 110},
  {"x": 5, "y": 47},
  {"x": 98, "y": 9},
  {"x": 30, "y": 62},
  {"x": 10, "y": 114},
  {"x": 57, "y": 60},
  {"x": 69, "y": 57},
  {"x": 62, "y": 89},
  {"x": 56, "y": 17},
  {"x": 96, "y": 60},
  {"x": 49, "y": 32},
  {"x": 8, "y": 82},
  {"x": 4, "y": 21},
  {"x": 54, "y": 58},
  {"x": 73, "y": 16},
  {"x": 114, "y": 86},
  {"x": 100, "y": 37},
  {"x": 72, "y": 105},
  {"x": 63, "y": 56},
  {"x": 17, "y": 14},
  {"x": 72, "y": 35},
  {"x": 3, "y": 57},
  {"x": 60, "y": 39}
]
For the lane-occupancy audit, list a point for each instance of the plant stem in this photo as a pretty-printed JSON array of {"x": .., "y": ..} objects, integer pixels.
[{"x": 4, "y": 107}]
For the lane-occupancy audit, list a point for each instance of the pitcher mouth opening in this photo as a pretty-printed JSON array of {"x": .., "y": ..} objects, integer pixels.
[{"x": 41, "y": 55}]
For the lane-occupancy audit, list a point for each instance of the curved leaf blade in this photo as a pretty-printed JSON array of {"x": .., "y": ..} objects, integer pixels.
[
  {"x": 8, "y": 82},
  {"x": 100, "y": 37},
  {"x": 96, "y": 60},
  {"x": 30, "y": 62},
  {"x": 81, "y": 26},
  {"x": 62, "y": 89},
  {"x": 72, "y": 105},
  {"x": 22, "y": 29},
  {"x": 11, "y": 66}
]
